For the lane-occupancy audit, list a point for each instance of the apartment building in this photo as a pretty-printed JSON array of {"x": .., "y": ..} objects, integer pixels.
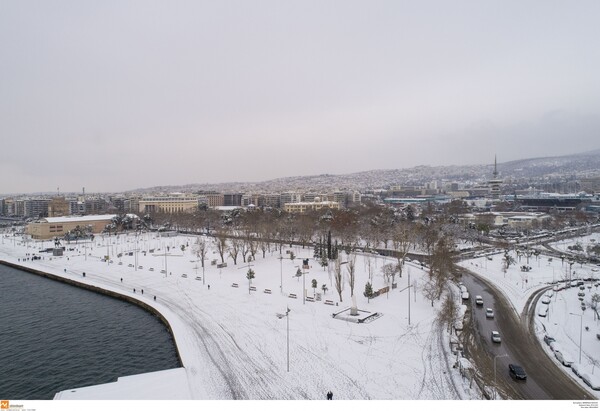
[
  {"x": 303, "y": 207},
  {"x": 171, "y": 204}
]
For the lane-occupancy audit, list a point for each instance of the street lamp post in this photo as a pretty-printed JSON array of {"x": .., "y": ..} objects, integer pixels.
[
  {"x": 580, "y": 331},
  {"x": 287, "y": 318},
  {"x": 281, "y": 274},
  {"x": 495, "y": 385}
]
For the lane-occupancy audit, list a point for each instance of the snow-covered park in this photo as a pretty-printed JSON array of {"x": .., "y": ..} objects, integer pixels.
[
  {"x": 233, "y": 334},
  {"x": 233, "y": 340}
]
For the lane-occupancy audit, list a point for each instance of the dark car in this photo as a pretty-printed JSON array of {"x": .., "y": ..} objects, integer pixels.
[{"x": 517, "y": 372}]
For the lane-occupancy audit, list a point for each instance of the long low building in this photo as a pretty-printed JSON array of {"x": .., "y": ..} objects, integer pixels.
[
  {"x": 303, "y": 207},
  {"x": 51, "y": 227}
]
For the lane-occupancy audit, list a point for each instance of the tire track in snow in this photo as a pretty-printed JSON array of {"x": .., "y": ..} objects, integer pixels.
[{"x": 436, "y": 375}]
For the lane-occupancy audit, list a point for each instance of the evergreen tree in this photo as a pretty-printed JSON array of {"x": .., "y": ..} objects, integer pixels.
[
  {"x": 314, "y": 285},
  {"x": 368, "y": 291},
  {"x": 324, "y": 262},
  {"x": 329, "y": 250},
  {"x": 249, "y": 276}
]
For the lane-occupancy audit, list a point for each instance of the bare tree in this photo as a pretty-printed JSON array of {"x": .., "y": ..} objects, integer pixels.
[
  {"x": 351, "y": 267},
  {"x": 447, "y": 314},
  {"x": 388, "y": 270},
  {"x": 235, "y": 248},
  {"x": 432, "y": 290},
  {"x": 403, "y": 238},
  {"x": 339, "y": 283},
  {"x": 201, "y": 250},
  {"x": 221, "y": 243}
]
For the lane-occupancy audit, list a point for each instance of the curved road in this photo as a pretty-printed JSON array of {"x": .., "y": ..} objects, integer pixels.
[{"x": 545, "y": 380}]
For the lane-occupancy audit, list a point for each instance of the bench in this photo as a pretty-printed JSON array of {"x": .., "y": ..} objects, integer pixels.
[
  {"x": 252, "y": 288},
  {"x": 235, "y": 285},
  {"x": 223, "y": 265},
  {"x": 163, "y": 271},
  {"x": 184, "y": 275},
  {"x": 151, "y": 269},
  {"x": 198, "y": 278},
  {"x": 267, "y": 291},
  {"x": 329, "y": 302},
  {"x": 310, "y": 299},
  {"x": 292, "y": 296}
]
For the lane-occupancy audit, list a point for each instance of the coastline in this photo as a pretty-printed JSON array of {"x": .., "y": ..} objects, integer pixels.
[
  {"x": 97, "y": 289},
  {"x": 127, "y": 386}
]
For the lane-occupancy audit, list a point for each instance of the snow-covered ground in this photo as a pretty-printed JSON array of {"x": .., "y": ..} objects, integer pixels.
[
  {"x": 234, "y": 345},
  {"x": 564, "y": 319}
]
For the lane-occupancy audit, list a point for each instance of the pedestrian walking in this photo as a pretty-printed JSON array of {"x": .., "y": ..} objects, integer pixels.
[{"x": 209, "y": 286}]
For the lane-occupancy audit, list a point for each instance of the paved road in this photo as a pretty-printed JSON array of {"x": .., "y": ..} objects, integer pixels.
[{"x": 545, "y": 380}]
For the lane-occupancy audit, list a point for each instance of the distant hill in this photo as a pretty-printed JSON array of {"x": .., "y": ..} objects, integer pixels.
[{"x": 576, "y": 165}]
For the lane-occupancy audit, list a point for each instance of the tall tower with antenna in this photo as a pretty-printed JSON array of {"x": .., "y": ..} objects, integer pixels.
[{"x": 495, "y": 182}]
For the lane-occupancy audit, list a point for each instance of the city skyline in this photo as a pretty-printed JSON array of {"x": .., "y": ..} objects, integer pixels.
[{"x": 123, "y": 95}]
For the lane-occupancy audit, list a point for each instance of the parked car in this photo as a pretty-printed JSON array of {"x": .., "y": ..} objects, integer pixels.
[
  {"x": 554, "y": 346},
  {"x": 478, "y": 300},
  {"x": 578, "y": 369},
  {"x": 546, "y": 300},
  {"x": 489, "y": 313},
  {"x": 564, "y": 358},
  {"x": 465, "y": 295},
  {"x": 496, "y": 337},
  {"x": 592, "y": 380},
  {"x": 548, "y": 340},
  {"x": 517, "y": 372}
]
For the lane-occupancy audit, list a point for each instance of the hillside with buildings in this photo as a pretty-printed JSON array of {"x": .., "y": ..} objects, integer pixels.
[{"x": 561, "y": 176}]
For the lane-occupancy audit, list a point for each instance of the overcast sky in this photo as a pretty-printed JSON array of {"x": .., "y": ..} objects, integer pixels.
[{"x": 116, "y": 95}]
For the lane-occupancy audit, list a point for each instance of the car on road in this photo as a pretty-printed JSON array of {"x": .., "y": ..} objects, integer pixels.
[
  {"x": 496, "y": 337},
  {"x": 478, "y": 300},
  {"x": 517, "y": 372},
  {"x": 489, "y": 313}
]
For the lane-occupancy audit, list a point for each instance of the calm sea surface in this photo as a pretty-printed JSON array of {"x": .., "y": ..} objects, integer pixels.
[{"x": 54, "y": 337}]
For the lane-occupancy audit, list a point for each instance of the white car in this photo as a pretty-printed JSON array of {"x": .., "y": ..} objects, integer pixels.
[
  {"x": 489, "y": 313},
  {"x": 465, "y": 295},
  {"x": 496, "y": 337},
  {"x": 592, "y": 380},
  {"x": 564, "y": 358},
  {"x": 478, "y": 300},
  {"x": 546, "y": 300},
  {"x": 555, "y": 346}
]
